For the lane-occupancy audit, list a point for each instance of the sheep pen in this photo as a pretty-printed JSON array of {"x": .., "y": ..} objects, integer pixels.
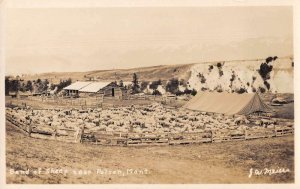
[{"x": 139, "y": 125}]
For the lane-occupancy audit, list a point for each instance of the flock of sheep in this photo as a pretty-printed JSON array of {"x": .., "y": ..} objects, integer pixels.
[{"x": 154, "y": 118}]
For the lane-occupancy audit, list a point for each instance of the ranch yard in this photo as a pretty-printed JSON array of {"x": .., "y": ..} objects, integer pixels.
[{"x": 66, "y": 163}]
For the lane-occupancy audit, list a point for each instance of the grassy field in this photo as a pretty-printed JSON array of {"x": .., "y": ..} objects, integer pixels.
[{"x": 206, "y": 163}]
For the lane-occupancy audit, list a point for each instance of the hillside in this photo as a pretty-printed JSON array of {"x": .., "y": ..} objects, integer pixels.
[
  {"x": 231, "y": 76},
  {"x": 144, "y": 74},
  {"x": 243, "y": 75}
]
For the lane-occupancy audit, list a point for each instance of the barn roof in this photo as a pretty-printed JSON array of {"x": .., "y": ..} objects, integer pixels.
[
  {"x": 94, "y": 87},
  {"x": 77, "y": 85}
]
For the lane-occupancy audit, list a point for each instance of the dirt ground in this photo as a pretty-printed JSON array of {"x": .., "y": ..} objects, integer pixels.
[{"x": 228, "y": 162}]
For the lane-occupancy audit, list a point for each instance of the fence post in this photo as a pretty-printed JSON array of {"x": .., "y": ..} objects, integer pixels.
[
  {"x": 54, "y": 132},
  {"x": 81, "y": 133},
  {"x": 29, "y": 129}
]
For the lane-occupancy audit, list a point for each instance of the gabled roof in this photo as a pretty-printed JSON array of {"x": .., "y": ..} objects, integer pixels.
[
  {"x": 94, "y": 87},
  {"x": 77, "y": 85},
  {"x": 227, "y": 103}
]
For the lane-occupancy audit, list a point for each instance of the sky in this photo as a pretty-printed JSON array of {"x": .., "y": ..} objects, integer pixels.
[{"x": 83, "y": 39}]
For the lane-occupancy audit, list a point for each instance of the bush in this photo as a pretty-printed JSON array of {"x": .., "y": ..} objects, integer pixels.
[
  {"x": 265, "y": 70},
  {"x": 179, "y": 93},
  {"x": 241, "y": 90},
  {"x": 63, "y": 84},
  {"x": 172, "y": 86},
  {"x": 194, "y": 92},
  {"x": 262, "y": 90},
  {"x": 253, "y": 89},
  {"x": 204, "y": 89},
  {"x": 155, "y": 84},
  {"x": 219, "y": 65},
  {"x": 156, "y": 92},
  {"x": 210, "y": 68},
  {"x": 202, "y": 78},
  {"x": 218, "y": 88},
  {"x": 267, "y": 84},
  {"x": 269, "y": 59},
  {"x": 221, "y": 73},
  {"x": 144, "y": 85}
]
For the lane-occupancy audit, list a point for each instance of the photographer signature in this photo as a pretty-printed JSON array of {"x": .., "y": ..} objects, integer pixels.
[{"x": 267, "y": 171}]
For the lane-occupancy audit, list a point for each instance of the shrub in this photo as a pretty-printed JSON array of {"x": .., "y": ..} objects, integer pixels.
[
  {"x": 155, "y": 84},
  {"x": 265, "y": 70},
  {"x": 210, "y": 67},
  {"x": 179, "y": 93},
  {"x": 194, "y": 92},
  {"x": 221, "y": 73},
  {"x": 156, "y": 92},
  {"x": 219, "y": 65},
  {"x": 63, "y": 84},
  {"x": 253, "y": 89},
  {"x": 261, "y": 89},
  {"x": 248, "y": 84},
  {"x": 218, "y": 88},
  {"x": 269, "y": 59},
  {"x": 144, "y": 85},
  {"x": 202, "y": 78},
  {"x": 172, "y": 86},
  {"x": 275, "y": 57},
  {"x": 267, "y": 84},
  {"x": 241, "y": 90},
  {"x": 204, "y": 89}
]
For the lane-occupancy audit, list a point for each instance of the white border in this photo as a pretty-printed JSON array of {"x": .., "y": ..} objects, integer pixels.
[{"x": 157, "y": 3}]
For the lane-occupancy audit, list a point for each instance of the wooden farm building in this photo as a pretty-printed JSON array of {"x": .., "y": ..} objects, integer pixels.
[{"x": 81, "y": 89}]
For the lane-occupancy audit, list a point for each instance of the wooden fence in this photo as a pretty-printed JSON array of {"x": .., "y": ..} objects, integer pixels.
[
  {"x": 46, "y": 132},
  {"x": 143, "y": 139}
]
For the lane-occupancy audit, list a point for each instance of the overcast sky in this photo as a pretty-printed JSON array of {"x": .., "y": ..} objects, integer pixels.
[{"x": 80, "y": 39}]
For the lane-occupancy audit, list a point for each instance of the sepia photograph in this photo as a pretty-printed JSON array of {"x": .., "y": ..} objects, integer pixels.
[{"x": 148, "y": 94}]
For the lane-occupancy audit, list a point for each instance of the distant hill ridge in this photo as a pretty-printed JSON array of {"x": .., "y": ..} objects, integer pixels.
[{"x": 231, "y": 76}]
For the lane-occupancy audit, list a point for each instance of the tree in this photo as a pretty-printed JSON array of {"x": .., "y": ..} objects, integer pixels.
[
  {"x": 23, "y": 87},
  {"x": 156, "y": 92},
  {"x": 15, "y": 85},
  {"x": 7, "y": 85},
  {"x": 62, "y": 84},
  {"x": 28, "y": 86},
  {"x": 121, "y": 84},
  {"x": 194, "y": 92},
  {"x": 154, "y": 84},
  {"x": 172, "y": 86},
  {"x": 135, "y": 84},
  {"x": 144, "y": 85},
  {"x": 265, "y": 70}
]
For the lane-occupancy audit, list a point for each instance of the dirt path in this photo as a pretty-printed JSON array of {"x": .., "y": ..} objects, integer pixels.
[{"x": 206, "y": 163}]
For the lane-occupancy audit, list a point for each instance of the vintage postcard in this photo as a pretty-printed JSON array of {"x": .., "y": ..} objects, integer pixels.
[{"x": 99, "y": 92}]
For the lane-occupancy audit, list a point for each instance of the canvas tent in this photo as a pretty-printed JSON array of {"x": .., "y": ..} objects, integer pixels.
[{"x": 227, "y": 103}]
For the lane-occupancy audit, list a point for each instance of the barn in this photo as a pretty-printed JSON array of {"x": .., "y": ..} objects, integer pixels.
[
  {"x": 73, "y": 89},
  {"x": 83, "y": 89}
]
